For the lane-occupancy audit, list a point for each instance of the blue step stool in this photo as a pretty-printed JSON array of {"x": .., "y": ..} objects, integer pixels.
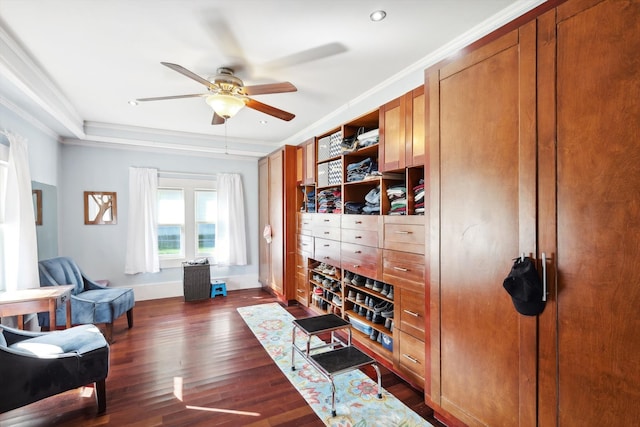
[{"x": 218, "y": 287}]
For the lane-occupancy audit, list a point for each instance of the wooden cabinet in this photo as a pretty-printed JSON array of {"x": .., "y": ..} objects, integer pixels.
[
  {"x": 402, "y": 132},
  {"x": 277, "y": 209},
  {"x": 590, "y": 227},
  {"x": 306, "y": 163},
  {"x": 533, "y": 149},
  {"x": 483, "y": 210}
]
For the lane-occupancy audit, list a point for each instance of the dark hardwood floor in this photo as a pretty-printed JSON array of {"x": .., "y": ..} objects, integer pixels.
[{"x": 192, "y": 364}]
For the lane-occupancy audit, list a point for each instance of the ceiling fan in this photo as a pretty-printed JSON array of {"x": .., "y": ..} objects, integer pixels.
[{"x": 227, "y": 94}]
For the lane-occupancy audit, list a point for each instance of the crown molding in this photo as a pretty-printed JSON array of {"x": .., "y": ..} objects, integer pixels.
[
  {"x": 28, "y": 117},
  {"x": 19, "y": 69}
]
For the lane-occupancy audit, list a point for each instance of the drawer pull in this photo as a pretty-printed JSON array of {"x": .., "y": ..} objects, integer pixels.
[
  {"x": 305, "y": 244},
  {"x": 327, "y": 232},
  {"x": 358, "y": 222},
  {"x": 411, "y": 313},
  {"x": 356, "y": 266},
  {"x": 301, "y": 291},
  {"x": 358, "y": 237},
  {"x": 305, "y": 223},
  {"x": 401, "y": 269},
  {"x": 326, "y": 245},
  {"x": 326, "y": 220},
  {"x": 412, "y": 359},
  {"x": 357, "y": 252},
  {"x": 299, "y": 266},
  {"x": 404, "y": 232},
  {"x": 327, "y": 257}
]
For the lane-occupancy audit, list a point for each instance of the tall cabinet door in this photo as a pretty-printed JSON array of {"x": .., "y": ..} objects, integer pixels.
[
  {"x": 483, "y": 214},
  {"x": 264, "y": 266},
  {"x": 276, "y": 216},
  {"x": 598, "y": 218}
]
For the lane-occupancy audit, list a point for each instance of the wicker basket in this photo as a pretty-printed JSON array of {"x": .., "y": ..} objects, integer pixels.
[{"x": 196, "y": 282}]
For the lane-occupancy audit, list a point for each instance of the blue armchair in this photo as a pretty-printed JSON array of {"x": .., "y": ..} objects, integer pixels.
[
  {"x": 90, "y": 302},
  {"x": 35, "y": 365}
]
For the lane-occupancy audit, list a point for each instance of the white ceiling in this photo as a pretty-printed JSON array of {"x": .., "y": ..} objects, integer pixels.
[{"x": 74, "y": 64}]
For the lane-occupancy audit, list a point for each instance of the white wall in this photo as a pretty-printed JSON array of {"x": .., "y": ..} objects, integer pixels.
[{"x": 100, "y": 249}]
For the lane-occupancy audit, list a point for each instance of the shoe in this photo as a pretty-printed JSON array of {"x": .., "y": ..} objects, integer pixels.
[
  {"x": 390, "y": 294},
  {"x": 329, "y": 270},
  {"x": 363, "y": 311},
  {"x": 326, "y": 283},
  {"x": 321, "y": 267},
  {"x": 381, "y": 306},
  {"x": 377, "y": 286},
  {"x": 337, "y": 300},
  {"x": 369, "y": 315},
  {"x": 352, "y": 294},
  {"x": 356, "y": 309},
  {"x": 347, "y": 277},
  {"x": 336, "y": 287},
  {"x": 357, "y": 280},
  {"x": 317, "y": 290},
  {"x": 372, "y": 302},
  {"x": 368, "y": 283},
  {"x": 374, "y": 335},
  {"x": 378, "y": 319},
  {"x": 359, "y": 297},
  {"x": 387, "y": 323},
  {"x": 385, "y": 290},
  {"x": 380, "y": 335},
  {"x": 317, "y": 278},
  {"x": 388, "y": 312}
]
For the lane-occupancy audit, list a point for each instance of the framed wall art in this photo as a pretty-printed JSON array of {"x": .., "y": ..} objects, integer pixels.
[{"x": 100, "y": 207}]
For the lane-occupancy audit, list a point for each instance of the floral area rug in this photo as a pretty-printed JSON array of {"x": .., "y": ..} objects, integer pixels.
[{"x": 357, "y": 404}]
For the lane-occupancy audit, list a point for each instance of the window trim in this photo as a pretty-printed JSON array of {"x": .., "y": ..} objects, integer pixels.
[{"x": 189, "y": 187}]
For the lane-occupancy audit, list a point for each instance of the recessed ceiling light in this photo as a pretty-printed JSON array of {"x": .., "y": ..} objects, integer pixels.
[
  {"x": 133, "y": 102},
  {"x": 378, "y": 15}
]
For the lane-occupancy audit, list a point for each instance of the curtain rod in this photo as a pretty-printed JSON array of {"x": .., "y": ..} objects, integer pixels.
[{"x": 174, "y": 173}]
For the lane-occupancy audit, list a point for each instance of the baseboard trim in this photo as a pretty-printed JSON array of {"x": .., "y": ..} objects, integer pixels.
[{"x": 149, "y": 291}]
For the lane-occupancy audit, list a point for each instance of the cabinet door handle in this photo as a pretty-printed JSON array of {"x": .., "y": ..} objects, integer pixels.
[
  {"x": 411, "y": 313},
  {"x": 412, "y": 359},
  {"x": 401, "y": 269},
  {"x": 404, "y": 232},
  {"x": 544, "y": 276}
]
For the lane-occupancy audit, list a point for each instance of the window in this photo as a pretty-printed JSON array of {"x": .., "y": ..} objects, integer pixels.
[{"x": 186, "y": 220}]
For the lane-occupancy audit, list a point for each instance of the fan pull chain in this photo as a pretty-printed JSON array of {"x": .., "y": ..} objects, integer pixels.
[{"x": 225, "y": 137}]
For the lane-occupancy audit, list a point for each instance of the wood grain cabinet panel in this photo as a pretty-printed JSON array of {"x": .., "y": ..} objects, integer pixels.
[
  {"x": 363, "y": 260},
  {"x": 404, "y": 233},
  {"x": 327, "y": 251},
  {"x": 411, "y": 313},
  {"x": 404, "y": 270},
  {"x": 411, "y": 357}
]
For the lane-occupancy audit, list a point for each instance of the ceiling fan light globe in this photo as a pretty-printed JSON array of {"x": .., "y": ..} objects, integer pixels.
[{"x": 225, "y": 105}]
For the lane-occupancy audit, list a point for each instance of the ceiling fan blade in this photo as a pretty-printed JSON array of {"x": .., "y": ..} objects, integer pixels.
[
  {"x": 228, "y": 44},
  {"x": 308, "y": 55},
  {"x": 270, "y": 88},
  {"x": 268, "y": 109},
  {"x": 161, "y": 98},
  {"x": 185, "y": 72},
  {"x": 217, "y": 120}
]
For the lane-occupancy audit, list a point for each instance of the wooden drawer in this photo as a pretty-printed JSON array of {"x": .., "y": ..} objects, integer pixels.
[
  {"x": 302, "y": 289},
  {"x": 404, "y": 233},
  {"x": 326, "y": 220},
  {"x": 360, "y": 237},
  {"x": 411, "y": 360},
  {"x": 363, "y": 260},
  {"x": 305, "y": 245},
  {"x": 404, "y": 270},
  {"x": 327, "y": 251},
  {"x": 332, "y": 233},
  {"x": 361, "y": 222},
  {"x": 305, "y": 223},
  {"x": 411, "y": 312}
]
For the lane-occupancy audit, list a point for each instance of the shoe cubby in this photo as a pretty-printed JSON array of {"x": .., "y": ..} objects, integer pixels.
[
  {"x": 369, "y": 305},
  {"x": 326, "y": 288}
]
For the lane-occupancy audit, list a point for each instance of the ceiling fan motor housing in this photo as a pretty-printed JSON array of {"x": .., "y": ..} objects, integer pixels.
[{"x": 224, "y": 81}]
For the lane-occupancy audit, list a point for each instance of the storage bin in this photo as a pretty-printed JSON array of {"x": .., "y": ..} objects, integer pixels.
[
  {"x": 196, "y": 282},
  {"x": 362, "y": 327},
  {"x": 335, "y": 172},
  {"x": 323, "y": 175},
  {"x": 324, "y": 150}
]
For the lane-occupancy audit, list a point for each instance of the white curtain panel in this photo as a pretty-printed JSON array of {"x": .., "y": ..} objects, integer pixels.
[
  {"x": 231, "y": 239},
  {"x": 20, "y": 241},
  {"x": 142, "y": 232}
]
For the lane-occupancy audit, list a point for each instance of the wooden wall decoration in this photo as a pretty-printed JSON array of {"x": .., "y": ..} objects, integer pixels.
[
  {"x": 100, "y": 207},
  {"x": 37, "y": 205}
]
